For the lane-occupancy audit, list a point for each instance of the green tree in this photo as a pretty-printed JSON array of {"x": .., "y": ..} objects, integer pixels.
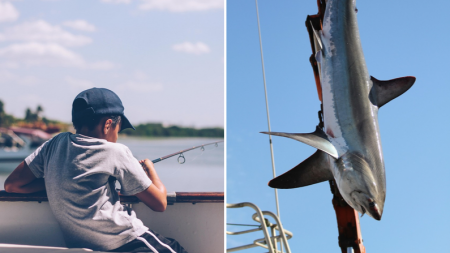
[
  {"x": 158, "y": 130},
  {"x": 30, "y": 116},
  {"x": 2, "y": 114},
  {"x": 39, "y": 111},
  {"x": 5, "y": 119}
]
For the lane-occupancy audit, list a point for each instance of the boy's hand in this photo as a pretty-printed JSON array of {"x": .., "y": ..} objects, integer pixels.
[
  {"x": 148, "y": 167},
  {"x": 155, "y": 196},
  {"x": 146, "y": 163}
]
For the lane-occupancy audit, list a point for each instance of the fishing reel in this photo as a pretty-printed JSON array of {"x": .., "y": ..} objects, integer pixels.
[{"x": 181, "y": 159}]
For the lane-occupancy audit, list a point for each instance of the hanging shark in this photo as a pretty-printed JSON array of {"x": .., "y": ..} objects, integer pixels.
[{"x": 349, "y": 145}]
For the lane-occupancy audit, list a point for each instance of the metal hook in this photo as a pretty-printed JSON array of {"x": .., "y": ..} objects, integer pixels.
[
  {"x": 181, "y": 156},
  {"x": 202, "y": 148},
  {"x": 320, "y": 114}
]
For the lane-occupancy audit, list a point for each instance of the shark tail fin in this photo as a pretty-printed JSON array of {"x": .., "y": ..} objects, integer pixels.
[
  {"x": 318, "y": 139},
  {"x": 384, "y": 91},
  {"x": 313, "y": 170}
]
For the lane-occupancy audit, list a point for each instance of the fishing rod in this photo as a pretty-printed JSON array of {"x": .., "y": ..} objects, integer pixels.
[{"x": 181, "y": 158}]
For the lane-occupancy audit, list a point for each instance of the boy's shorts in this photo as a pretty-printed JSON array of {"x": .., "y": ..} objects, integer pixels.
[{"x": 151, "y": 242}]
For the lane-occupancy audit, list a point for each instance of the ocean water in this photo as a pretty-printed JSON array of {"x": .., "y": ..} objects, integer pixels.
[{"x": 203, "y": 171}]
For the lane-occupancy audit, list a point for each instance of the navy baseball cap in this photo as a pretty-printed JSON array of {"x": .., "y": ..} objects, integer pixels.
[{"x": 99, "y": 101}]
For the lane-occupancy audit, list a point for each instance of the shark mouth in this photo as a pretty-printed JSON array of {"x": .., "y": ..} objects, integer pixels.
[
  {"x": 363, "y": 210},
  {"x": 373, "y": 212}
]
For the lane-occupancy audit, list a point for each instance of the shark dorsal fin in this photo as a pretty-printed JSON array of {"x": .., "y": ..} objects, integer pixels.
[
  {"x": 313, "y": 170},
  {"x": 317, "y": 139},
  {"x": 384, "y": 91}
]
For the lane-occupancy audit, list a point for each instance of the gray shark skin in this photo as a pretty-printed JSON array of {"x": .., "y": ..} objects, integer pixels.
[{"x": 349, "y": 146}]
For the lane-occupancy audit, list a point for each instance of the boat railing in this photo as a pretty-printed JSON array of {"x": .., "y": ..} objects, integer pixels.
[
  {"x": 8, "y": 139},
  {"x": 172, "y": 197},
  {"x": 270, "y": 241}
]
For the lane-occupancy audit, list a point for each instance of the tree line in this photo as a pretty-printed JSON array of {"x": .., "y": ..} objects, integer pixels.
[
  {"x": 158, "y": 130},
  {"x": 35, "y": 119}
]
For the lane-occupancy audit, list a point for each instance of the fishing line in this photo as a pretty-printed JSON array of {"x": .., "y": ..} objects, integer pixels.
[{"x": 202, "y": 151}]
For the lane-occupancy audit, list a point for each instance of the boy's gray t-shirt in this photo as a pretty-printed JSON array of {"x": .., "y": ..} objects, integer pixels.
[{"x": 80, "y": 174}]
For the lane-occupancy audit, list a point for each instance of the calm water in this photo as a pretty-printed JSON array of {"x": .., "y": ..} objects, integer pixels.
[{"x": 202, "y": 171}]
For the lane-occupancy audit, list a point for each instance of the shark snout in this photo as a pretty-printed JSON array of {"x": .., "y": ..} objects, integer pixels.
[
  {"x": 374, "y": 209},
  {"x": 365, "y": 204}
]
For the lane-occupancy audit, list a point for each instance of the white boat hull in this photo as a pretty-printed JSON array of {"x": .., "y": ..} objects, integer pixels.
[{"x": 198, "y": 227}]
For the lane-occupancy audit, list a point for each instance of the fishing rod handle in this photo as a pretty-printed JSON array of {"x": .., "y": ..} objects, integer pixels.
[{"x": 156, "y": 160}]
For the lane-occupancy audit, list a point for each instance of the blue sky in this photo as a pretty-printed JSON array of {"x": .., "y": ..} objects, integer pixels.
[
  {"x": 165, "y": 59},
  {"x": 399, "y": 38}
]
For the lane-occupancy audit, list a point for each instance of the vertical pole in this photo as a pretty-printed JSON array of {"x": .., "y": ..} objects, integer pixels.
[
  {"x": 267, "y": 110},
  {"x": 348, "y": 223}
]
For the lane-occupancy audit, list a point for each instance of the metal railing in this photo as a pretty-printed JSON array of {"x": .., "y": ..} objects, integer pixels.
[{"x": 269, "y": 242}]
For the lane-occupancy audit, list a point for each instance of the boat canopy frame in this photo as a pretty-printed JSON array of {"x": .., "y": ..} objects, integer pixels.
[{"x": 269, "y": 242}]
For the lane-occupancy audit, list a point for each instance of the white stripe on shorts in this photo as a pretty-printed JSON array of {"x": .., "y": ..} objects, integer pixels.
[
  {"x": 148, "y": 244},
  {"x": 163, "y": 244}
]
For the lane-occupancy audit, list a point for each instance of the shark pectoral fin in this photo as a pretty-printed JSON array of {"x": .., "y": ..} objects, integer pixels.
[
  {"x": 313, "y": 170},
  {"x": 317, "y": 139},
  {"x": 384, "y": 91}
]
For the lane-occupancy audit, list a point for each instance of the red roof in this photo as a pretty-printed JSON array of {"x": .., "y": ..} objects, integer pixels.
[{"x": 31, "y": 132}]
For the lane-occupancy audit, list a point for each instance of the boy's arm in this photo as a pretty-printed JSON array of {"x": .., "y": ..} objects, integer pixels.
[
  {"x": 22, "y": 180},
  {"x": 155, "y": 196}
]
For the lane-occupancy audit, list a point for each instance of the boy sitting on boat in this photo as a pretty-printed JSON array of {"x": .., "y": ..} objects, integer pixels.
[{"x": 79, "y": 172}]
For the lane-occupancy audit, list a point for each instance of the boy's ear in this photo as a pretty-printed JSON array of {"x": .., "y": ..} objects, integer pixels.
[{"x": 107, "y": 126}]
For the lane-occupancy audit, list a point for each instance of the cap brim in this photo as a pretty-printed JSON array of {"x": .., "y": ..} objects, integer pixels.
[{"x": 126, "y": 124}]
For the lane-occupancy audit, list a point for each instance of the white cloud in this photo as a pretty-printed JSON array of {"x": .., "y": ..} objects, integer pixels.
[
  {"x": 31, "y": 98},
  {"x": 181, "y": 5},
  {"x": 80, "y": 25},
  {"x": 117, "y": 1},
  {"x": 38, "y": 53},
  {"x": 78, "y": 84},
  {"x": 8, "y": 12},
  {"x": 141, "y": 86},
  {"x": 140, "y": 75},
  {"x": 192, "y": 48},
  {"x": 174, "y": 5},
  {"x": 102, "y": 65},
  {"x": 140, "y": 82},
  {"x": 9, "y": 78},
  {"x": 41, "y": 31},
  {"x": 45, "y": 44},
  {"x": 9, "y": 65}
]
